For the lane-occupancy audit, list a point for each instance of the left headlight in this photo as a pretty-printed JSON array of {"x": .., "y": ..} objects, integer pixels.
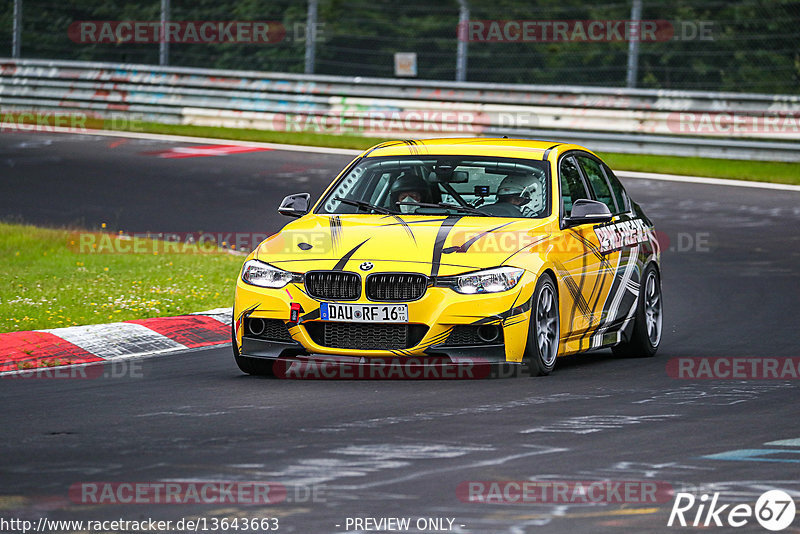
[
  {"x": 488, "y": 281},
  {"x": 258, "y": 273}
]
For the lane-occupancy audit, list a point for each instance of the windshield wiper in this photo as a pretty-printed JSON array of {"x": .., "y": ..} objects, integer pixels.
[
  {"x": 468, "y": 209},
  {"x": 365, "y": 205}
]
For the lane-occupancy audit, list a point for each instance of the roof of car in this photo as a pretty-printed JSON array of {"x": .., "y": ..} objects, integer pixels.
[{"x": 474, "y": 146}]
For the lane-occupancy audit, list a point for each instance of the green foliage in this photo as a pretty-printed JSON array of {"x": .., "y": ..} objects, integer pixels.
[{"x": 754, "y": 44}]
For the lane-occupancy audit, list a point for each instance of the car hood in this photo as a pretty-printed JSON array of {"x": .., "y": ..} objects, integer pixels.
[{"x": 434, "y": 245}]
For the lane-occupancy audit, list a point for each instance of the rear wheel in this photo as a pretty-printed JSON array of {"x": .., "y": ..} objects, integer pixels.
[
  {"x": 541, "y": 348},
  {"x": 646, "y": 334},
  {"x": 251, "y": 366}
]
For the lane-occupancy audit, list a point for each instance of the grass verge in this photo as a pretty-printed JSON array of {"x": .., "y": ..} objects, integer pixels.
[
  {"x": 49, "y": 283},
  {"x": 733, "y": 169}
]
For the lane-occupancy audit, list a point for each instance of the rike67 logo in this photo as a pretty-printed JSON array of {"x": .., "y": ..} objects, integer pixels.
[{"x": 774, "y": 510}]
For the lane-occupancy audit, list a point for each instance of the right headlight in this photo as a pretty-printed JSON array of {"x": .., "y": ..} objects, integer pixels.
[
  {"x": 488, "y": 281},
  {"x": 258, "y": 273}
]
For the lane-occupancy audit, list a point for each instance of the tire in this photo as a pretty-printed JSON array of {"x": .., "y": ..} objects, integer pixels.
[
  {"x": 541, "y": 349},
  {"x": 250, "y": 366},
  {"x": 647, "y": 325}
]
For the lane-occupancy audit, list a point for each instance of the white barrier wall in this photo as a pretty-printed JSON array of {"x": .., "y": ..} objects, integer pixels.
[{"x": 742, "y": 126}]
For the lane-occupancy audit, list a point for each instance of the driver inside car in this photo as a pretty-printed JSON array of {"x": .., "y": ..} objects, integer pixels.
[
  {"x": 513, "y": 193},
  {"x": 409, "y": 188}
]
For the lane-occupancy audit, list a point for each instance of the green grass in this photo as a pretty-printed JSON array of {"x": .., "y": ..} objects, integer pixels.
[
  {"x": 734, "y": 169},
  {"x": 49, "y": 282},
  {"x": 262, "y": 136},
  {"x": 761, "y": 171}
]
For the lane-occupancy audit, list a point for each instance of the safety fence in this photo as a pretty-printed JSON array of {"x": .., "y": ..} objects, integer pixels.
[{"x": 642, "y": 121}]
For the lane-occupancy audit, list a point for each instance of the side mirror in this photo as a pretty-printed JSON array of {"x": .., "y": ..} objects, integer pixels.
[
  {"x": 295, "y": 205},
  {"x": 585, "y": 211}
]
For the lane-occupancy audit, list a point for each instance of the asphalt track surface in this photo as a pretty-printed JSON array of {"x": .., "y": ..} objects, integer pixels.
[{"x": 401, "y": 448}]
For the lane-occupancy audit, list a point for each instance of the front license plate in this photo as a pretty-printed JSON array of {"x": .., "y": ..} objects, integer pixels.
[{"x": 364, "y": 313}]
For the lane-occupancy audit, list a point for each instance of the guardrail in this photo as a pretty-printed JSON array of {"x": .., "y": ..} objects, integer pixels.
[{"x": 684, "y": 123}]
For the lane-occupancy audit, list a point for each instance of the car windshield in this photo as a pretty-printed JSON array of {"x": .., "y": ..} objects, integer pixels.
[{"x": 481, "y": 186}]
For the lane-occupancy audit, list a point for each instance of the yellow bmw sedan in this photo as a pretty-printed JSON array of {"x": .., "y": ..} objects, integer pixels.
[{"x": 512, "y": 251}]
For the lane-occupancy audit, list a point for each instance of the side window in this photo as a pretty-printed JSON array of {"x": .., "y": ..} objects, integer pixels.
[
  {"x": 597, "y": 180},
  {"x": 616, "y": 188},
  {"x": 572, "y": 187}
]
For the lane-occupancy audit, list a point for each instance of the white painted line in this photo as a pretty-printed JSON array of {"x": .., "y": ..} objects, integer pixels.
[
  {"x": 109, "y": 341},
  {"x": 708, "y": 181},
  {"x": 349, "y": 152},
  {"x": 785, "y": 442}
]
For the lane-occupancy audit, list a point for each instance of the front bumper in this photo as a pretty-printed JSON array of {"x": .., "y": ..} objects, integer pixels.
[{"x": 438, "y": 315}]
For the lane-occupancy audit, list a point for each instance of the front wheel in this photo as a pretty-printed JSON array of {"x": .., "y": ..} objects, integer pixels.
[
  {"x": 250, "y": 366},
  {"x": 646, "y": 334},
  {"x": 541, "y": 348}
]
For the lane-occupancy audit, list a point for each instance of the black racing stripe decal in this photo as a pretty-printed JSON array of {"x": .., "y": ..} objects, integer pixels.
[
  {"x": 410, "y": 222},
  {"x": 547, "y": 152},
  {"x": 239, "y": 320},
  {"x": 615, "y": 282},
  {"x": 465, "y": 247},
  {"x": 441, "y": 237},
  {"x": 511, "y": 312},
  {"x": 406, "y": 227},
  {"x": 522, "y": 308},
  {"x": 411, "y": 146},
  {"x": 602, "y": 279},
  {"x": 575, "y": 291},
  {"x": 606, "y": 266},
  {"x": 343, "y": 261},
  {"x": 495, "y": 319},
  {"x": 580, "y": 302},
  {"x": 439, "y": 338},
  {"x": 251, "y": 308},
  {"x": 336, "y": 231},
  {"x": 310, "y": 316},
  {"x": 545, "y": 238},
  {"x": 382, "y": 145},
  {"x": 612, "y": 293},
  {"x": 592, "y": 248}
]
